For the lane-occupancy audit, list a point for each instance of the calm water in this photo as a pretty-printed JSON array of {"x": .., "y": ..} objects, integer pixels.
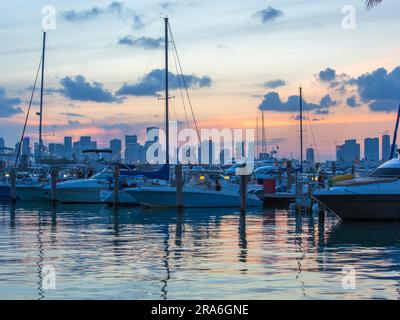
[{"x": 99, "y": 253}]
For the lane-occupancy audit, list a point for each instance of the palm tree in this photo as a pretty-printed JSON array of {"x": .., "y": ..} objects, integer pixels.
[{"x": 371, "y": 3}]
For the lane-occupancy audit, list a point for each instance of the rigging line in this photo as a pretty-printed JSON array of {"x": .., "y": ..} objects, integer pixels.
[
  {"x": 180, "y": 89},
  {"x": 27, "y": 115},
  {"x": 312, "y": 133},
  {"x": 184, "y": 82}
]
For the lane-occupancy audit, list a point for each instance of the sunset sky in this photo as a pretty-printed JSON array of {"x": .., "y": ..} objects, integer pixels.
[{"x": 105, "y": 59}]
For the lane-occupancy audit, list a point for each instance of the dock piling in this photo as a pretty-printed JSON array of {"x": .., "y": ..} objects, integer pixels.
[
  {"x": 179, "y": 186},
  {"x": 243, "y": 192},
  {"x": 13, "y": 185},
  {"x": 53, "y": 181},
  {"x": 116, "y": 186},
  {"x": 289, "y": 176}
]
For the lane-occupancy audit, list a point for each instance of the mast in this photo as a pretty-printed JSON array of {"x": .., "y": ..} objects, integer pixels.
[
  {"x": 301, "y": 129},
  {"x": 395, "y": 135},
  {"x": 264, "y": 146},
  {"x": 166, "y": 92},
  {"x": 41, "y": 100},
  {"x": 257, "y": 139}
]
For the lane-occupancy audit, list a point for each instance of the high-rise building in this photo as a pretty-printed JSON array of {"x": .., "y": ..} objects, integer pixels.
[
  {"x": 116, "y": 147},
  {"x": 134, "y": 152},
  {"x": 349, "y": 151},
  {"x": 371, "y": 149},
  {"x": 84, "y": 143},
  {"x": 385, "y": 147},
  {"x": 26, "y": 147},
  {"x": 68, "y": 147},
  {"x": 2, "y": 142},
  {"x": 56, "y": 150},
  {"x": 310, "y": 155}
]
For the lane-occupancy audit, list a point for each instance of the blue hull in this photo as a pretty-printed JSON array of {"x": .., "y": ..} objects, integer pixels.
[{"x": 5, "y": 192}]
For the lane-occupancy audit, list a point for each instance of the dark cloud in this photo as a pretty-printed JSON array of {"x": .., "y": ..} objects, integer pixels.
[
  {"x": 352, "y": 102},
  {"x": 298, "y": 117},
  {"x": 269, "y": 14},
  {"x": 327, "y": 102},
  {"x": 142, "y": 42},
  {"x": 153, "y": 83},
  {"x": 75, "y": 16},
  {"x": 322, "y": 111},
  {"x": 379, "y": 85},
  {"x": 384, "y": 106},
  {"x": 8, "y": 106},
  {"x": 74, "y": 123},
  {"x": 273, "y": 102},
  {"x": 327, "y": 75},
  {"x": 275, "y": 83},
  {"x": 77, "y": 88},
  {"x": 379, "y": 88},
  {"x": 72, "y": 115}
]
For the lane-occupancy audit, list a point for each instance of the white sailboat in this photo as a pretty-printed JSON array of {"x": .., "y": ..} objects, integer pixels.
[{"x": 202, "y": 188}]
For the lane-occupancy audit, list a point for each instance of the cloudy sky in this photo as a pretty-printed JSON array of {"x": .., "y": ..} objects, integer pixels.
[{"x": 104, "y": 67}]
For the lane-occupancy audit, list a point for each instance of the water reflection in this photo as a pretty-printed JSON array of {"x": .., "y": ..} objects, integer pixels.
[{"x": 129, "y": 253}]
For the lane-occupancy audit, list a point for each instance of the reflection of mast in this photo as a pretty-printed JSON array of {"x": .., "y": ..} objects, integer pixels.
[
  {"x": 242, "y": 239},
  {"x": 166, "y": 264},
  {"x": 40, "y": 259},
  {"x": 299, "y": 241}
]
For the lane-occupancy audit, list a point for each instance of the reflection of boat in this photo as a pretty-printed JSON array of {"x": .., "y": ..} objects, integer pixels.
[
  {"x": 364, "y": 234},
  {"x": 376, "y": 197},
  {"x": 203, "y": 188}
]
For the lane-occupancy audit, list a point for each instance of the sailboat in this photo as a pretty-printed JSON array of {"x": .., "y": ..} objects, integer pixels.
[
  {"x": 203, "y": 188},
  {"x": 32, "y": 189}
]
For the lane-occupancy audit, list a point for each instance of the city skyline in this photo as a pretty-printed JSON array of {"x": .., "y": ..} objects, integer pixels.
[{"x": 305, "y": 44}]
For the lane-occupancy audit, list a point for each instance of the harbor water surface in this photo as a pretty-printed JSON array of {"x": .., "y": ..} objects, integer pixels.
[{"x": 135, "y": 253}]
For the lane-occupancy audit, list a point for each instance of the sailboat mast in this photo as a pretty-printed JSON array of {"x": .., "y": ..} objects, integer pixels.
[
  {"x": 166, "y": 92},
  {"x": 257, "y": 140},
  {"x": 41, "y": 101},
  {"x": 392, "y": 150},
  {"x": 301, "y": 129},
  {"x": 264, "y": 146}
]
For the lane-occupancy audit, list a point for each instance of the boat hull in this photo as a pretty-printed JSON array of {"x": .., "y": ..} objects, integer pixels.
[
  {"x": 125, "y": 199},
  {"x": 166, "y": 197},
  {"x": 79, "y": 195},
  {"x": 362, "y": 207},
  {"x": 32, "y": 193},
  {"x": 5, "y": 192}
]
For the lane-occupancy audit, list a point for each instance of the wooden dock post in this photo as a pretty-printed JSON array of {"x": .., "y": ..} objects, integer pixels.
[
  {"x": 53, "y": 182},
  {"x": 289, "y": 176},
  {"x": 179, "y": 186},
  {"x": 116, "y": 186},
  {"x": 13, "y": 185},
  {"x": 279, "y": 175},
  {"x": 243, "y": 192}
]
